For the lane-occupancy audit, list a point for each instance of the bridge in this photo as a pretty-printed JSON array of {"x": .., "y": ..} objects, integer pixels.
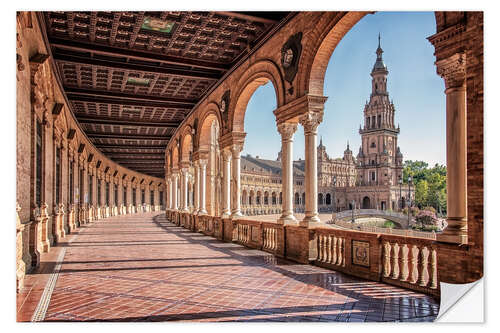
[{"x": 398, "y": 218}]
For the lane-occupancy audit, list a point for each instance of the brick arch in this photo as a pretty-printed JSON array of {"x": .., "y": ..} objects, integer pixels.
[
  {"x": 186, "y": 143},
  {"x": 255, "y": 76},
  {"x": 204, "y": 126},
  {"x": 319, "y": 48},
  {"x": 168, "y": 161},
  {"x": 175, "y": 157}
]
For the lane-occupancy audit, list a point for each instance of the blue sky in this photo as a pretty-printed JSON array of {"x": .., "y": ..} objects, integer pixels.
[{"x": 414, "y": 86}]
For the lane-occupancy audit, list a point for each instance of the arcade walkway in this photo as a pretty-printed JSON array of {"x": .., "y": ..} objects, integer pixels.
[{"x": 143, "y": 268}]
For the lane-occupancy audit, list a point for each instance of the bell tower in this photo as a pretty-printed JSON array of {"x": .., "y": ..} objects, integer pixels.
[{"x": 379, "y": 158}]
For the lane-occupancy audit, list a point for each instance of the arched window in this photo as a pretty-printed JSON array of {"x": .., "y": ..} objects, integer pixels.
[
  {"x": 320, "y": 199},
  {"x": 328, "y": 199},
  {"x": 297, "y": 199}
]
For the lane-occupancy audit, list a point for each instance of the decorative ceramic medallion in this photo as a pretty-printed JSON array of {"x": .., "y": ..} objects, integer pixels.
[
  {"x": 290, "y": 55},
  {"x": 361, "y": 253}
]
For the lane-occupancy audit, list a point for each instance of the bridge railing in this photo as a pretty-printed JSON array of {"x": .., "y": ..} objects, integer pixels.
[
  {"x": 358, "y": 212},
  {"x": 388, "y": 231}
]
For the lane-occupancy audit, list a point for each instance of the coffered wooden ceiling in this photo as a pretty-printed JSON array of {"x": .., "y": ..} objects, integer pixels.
[{"x": 132, "y": 77}]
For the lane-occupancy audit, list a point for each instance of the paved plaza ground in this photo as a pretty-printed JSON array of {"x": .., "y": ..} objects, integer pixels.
[{"x": 144, "y": 268}]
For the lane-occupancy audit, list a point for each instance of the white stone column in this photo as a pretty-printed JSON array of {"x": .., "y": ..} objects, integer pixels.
[
  {"x": 226, "y": 185},
  {"x": 453, "y": 70},
  {"x": 310, "y": 121},
  {"x": 236, "y": 180},
  {"x": 203, "y": 186},
  {"x": 175, "y": 179},
  {"x": 196, "y": 187},
  {"x": 169, "y": 182},
  {"x": 287, "y": 130},
  {"x": 184, "y": 190}
]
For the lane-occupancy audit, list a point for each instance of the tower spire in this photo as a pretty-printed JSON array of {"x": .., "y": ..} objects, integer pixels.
[{"x": 379, "y": 63}]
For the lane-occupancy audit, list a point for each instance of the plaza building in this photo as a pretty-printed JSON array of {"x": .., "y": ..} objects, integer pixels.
[{"x": 129, "y": 133}]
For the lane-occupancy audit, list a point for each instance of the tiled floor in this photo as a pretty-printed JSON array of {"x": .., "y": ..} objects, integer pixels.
[{"x": 143, "y": 268}]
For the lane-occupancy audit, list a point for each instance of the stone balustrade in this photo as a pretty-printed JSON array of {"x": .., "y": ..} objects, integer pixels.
[
  {"x": 410, "y": 262},
  {"x": 401, "y": 260},
  {"x": 269, "y": 239}
]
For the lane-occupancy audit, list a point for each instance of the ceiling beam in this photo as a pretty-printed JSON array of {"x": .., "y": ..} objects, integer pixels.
[
  {"x": 100, "y": 96},
  {"x": 127, "y": 136},
  {"x": 122, "y": 122},
  {"x": 134, "y": 54},
  {"x": 190, "y": 74},
  {"x": 248, "y": 17},
  {"x": 133, "y": 154},
  {"x": 121, "y": 146}
]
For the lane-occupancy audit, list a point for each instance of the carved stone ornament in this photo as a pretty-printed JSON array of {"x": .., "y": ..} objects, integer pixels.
[
  {"x": 224, "y": 105},
  {"x": 290, "y": 55},
  {"x": 287, "y": 130},
  {"x": 452, "y": 70},
  {"x": 311, "y": 121}
]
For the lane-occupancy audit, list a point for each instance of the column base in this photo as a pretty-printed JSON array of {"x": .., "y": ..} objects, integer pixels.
[
  {"x": 452, "y": 238},
  {"x": 45, "y": 246},
  {"x": 309, "y": 221},
  {"x": 455, "y": 232},
  {"x": 236, "y": 215},
  {"x": 287, "y": 219},
  {"x": 202, "y": 212}
]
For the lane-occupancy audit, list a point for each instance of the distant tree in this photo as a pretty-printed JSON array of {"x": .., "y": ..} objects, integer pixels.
[
  {"x": 421, "y": 193},
  {"x": 429, "y": 184}
]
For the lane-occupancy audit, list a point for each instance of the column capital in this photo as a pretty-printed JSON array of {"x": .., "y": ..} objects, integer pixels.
[
  {"x": 287, "y": 130},
  {"x": 311, "y": 121},
  {"x": 452, "y": 70},
  {"x": 185, "y": 164},
  {"x": 226, "y": 153},
  {"x": 236, "y": 149},
  {"x": 202, "y": 162},
  {"x": 232, "y": 138}
]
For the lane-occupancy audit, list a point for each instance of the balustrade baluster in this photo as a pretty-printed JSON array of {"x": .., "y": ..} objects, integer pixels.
[
  {"x": 414, "y": 264},
  {"x": 325, "y": 248},
  {"x": 395, "y": 261},
  {"x": 264, "y": 238},
  {"x": 404, "y": 263},
  {"x": 320, "y": 252},
  {"x": 334, "y": 254},
  {"x": 424, "y": 272},
  {"x": 433, "y": 276},
  {"x": 340, "y": 252},
  {"x": 387, "y": 259},
  {"x": 328, "y": 248},
  {"x": 275, "y": 239},
  {"x": 343, "y": 252}
]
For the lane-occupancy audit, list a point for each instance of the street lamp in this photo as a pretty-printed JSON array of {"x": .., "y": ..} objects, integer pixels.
[
  {"x": 409, "y": 198},
  {"x": 400, "y": 181},
  {"x": 334, "y": 206},
  {"x": 353, "y": 206}
]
